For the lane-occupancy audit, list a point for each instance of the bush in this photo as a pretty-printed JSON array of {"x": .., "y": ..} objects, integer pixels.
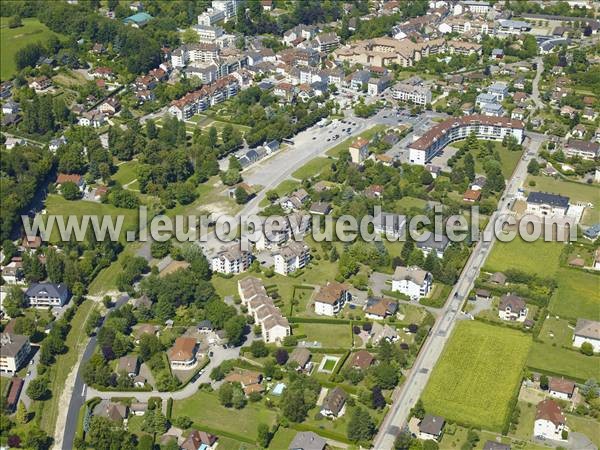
[
  {"x": 587, "y": 349},
  {"x": 70, "y": 191}
]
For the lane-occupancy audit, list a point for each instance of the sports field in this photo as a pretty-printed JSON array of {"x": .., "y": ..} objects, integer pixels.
[
  {"x": 477, "y": 375},
  {"x": 14, "y": 39},
  {"x": 577, "y": 295}
]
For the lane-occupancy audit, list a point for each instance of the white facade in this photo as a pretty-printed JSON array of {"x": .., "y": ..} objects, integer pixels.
[
  {"x": 324, "y": 309},
  {"x": 290, "y": 258},
  {"x": 412, "y": 281},
  {"x": 232, "y": 261},
  {"x": 578, "y": 341},
  {"x": 548, "y": 430},
  {"x": 419, "y": 95}
]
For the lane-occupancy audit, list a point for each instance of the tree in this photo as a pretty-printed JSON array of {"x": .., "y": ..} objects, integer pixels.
[
  {"x": 469, "y": 166},
  {"x": 241, "y": 196},
  {"x": 386, "y": 375},
  {"x": 70, "y": 191},
  {"x": 36, "y": 439},
  {"x": 377, "y": 398},
  {"x": 183, "y": 422},
  {"x": 15, "y": 22},
  {"x": 418, "y": 410},
  {"x": 155, "y": 422},
  {"x": 238, "y": 399},
  {"x": 281, "y": 356},
  {"x": 22, "y": 414},
  {"x": 403, "y": 441},
  {"x": 259, "y": 349},
  {"x": 533, "y": 167},
  {"x": 264, "y": 435},
  {"x": 361, "y": 426},
  {"x": 544, "y": 382},
  {"x": 234, "y": 329},
  {"x": 226, "y": 394},
  {"x": 159, "y": 250},
  {"x": 38, "y": 389},
  {"x": 587, "y": 349}
]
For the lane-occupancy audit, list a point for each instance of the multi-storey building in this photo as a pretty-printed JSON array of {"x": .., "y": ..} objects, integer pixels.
[
  {"x": 484, "y": 127},
  {"x": 14, "y": 351},
  {"x": 43, "y": 295},
  {"x": 419, "y": 95},
  {"x": 231, "y": 260},
  {"x": 202, "y": 99},
  {"x": 291, "y": 257}
]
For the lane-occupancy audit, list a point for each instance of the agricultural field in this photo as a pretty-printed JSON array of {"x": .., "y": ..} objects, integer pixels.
[
  {"x": 525, "y": 256},
  {"x": 577, "y": 295},
  {"x": 14, "y": 39},
  {"x": 561, "y": 361},
  {"x": 577, "y": 192},
  {"x": 206, "y": 411},
  {"x": 477, "y": 375}
]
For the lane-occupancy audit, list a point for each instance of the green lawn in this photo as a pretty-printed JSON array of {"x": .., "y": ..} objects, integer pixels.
[
  {"x": 282, "y": 438},
  {"x": 126, "y": 172},
  {"x": 577, "y": 295},
  {"x": 57, "y": 205},
  {"x": 577, "y": 192},
  {"x": 206, "y": 411},
  {"x": 13, "y": 39},
  {"x": 589, "y": 427},
  {"x": 329, "y": 335},
  {"x": 561, "y": 361},
  {"x": 407, "y": 203},
  {"x": 286, "y": 187},
  {"x": 76, "y": 340},
  {"x": 312, "y": 168},
  {"x": 477, "y": 375},
  {"x": 524, "y": 428},
  {"x": 344, "y": 145},
  {"x": 105, "y": 280},
  {"x": 556, "y": 331},
  {"x": 525, "y": 256}
]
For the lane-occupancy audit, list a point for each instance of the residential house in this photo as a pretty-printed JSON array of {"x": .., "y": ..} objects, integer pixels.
[
  {"x": 199, "y": 440},
  {"x": 14, "y": 351},
  {"x": 587, "y": 331},
  {"x": 251, "y": 381},
  {"x": 493, "y": 445},
  {"x": 182, "y": 355},
  {"x": 380, "y": 308},
  {"x": 249, "y": 288},
  {"x": 584, "y": 149},
  {"x": 129, "y": 365},
  {"x": 550, "y": 421},
  {"x": 320, "y": 208},
  {"x": 362, "y": 360},
  {"x": 434, "y": 242},
  {"x": 77, "y": 179},
  {"x": 472, "y": 195},
  {"x": 374, "y": 191},
  {"x": 115, "y": 412},
  {"x": 498, "y": 278},
  {"x": 512, "y": 307},
  {"x": 359, "y": 150},
  {"x": 301, "y": 356},
  {"x": 589, "y": 114},
  {"x": 380, "y": 332},
  {"x": 389, "y": 224},
  {"x": 561, "y": 388},
  {"x": 376, "y": 85},
  {"x": 545, "y": 204},
  {"x": 231, "y": 260},
  {"x": 431, "y": 427},
  {"x": 138, "y": 408},
  {"x": 12, "y": 273},
  {"x": 103, "y": 72},
  {"x": 334, "y": 405},
  {"x": 40, "y": 83},
  {"x": 327, "y": 42},
  {"x": 110, "y": 106},
  {"x": 10, "y": 107},
  {"x": 412, "y": 281},
  {"x": 291, "y": 257},
  {"x": 518, "y": 114},
  {"x": 44, "y": 295},
  {"x": 406, "y": 92},
  {"x": 94, "y": 119},
  {"x": 138, "y": 20},
  {"x": 307, "y": 440},
  {"x": 499, "y": 91},
  {"x": 30, "y": 243},
  {"x": 331, "y": 298}
]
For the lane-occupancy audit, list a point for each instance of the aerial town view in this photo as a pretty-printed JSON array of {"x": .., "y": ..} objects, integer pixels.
[{"x": 300, "y": 224}]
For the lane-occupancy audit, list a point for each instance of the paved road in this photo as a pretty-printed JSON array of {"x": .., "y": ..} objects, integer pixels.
[
  {"x": 78, "y": 396},
  {"x": 406, "y": 396}
]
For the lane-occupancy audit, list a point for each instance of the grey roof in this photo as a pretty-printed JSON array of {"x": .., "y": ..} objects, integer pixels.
[
  {"x": 301, "y": 355},
  {"x": 514, "y": 302},
  {"x": 492, "y": 445},
  {"x": 50, "y": 289},
  {"x": 414, "y": 274},
  {"x": 307, "y": 440},
  {"x": 11, "y": 344},
  {"x": 128, "y": 364},
  {"x": 587, "y": 328},
  {"x": 205, "y": 324},
  {"x": 434, "y": 241},
  {"x": 548, "y": 199},
  {"x": 335, "y": 400},
  {"x": 432, "y": 424}
]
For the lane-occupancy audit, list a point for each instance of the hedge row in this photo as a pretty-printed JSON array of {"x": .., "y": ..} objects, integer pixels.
[
  {"x": 319, "y": 320},
  {"x": 339, "y": 365},
  {"x": 324, "y": 433},
  {"x": 169, "y": 408},
  {"x": 217, "y": 432}
]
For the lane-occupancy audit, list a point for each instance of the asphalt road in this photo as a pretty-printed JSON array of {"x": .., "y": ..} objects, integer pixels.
[
  {"x": 78, "y": 397},
  {"x": 407, "y": 395}
]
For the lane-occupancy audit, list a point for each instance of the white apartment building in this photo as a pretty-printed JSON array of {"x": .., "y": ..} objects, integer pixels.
[
  {"x": 412, "y": 281},
  {"x": 331, "y": 298},
  {"x": 485, "y": 127},
  {"x": 43, "y": 295},
  {"x": 545, "y": 204},
  {"x": 14, "y": 351},
  {"x": 231, "y": 260},
  {"x": 211, "y": 17},
  {"x": 291, "y": 257},
  {"x": 419, "y": 95}
]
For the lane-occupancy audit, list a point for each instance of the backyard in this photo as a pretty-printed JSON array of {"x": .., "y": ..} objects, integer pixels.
[
  {"x": 577, "y": 295},
  {"x": 208, "y": 414},
  {"x": 329, "y": 335},
  {"x": 477, "y": 375},
  {"x": 564, "y": 362}
]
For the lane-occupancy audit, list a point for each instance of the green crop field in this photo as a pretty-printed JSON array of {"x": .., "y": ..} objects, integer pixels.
[
  {"x": 477, "y": 375},
  {"x": 14, "y": 39},
  {"x": 525, "y": 256},
  {"x": 561, "y": 361},
  {"x": 577, "y": 295},
  {"x": 205, "y": 410}
]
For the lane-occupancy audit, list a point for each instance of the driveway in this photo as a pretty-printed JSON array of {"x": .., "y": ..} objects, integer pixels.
[{"x": 380, "y": 282}]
